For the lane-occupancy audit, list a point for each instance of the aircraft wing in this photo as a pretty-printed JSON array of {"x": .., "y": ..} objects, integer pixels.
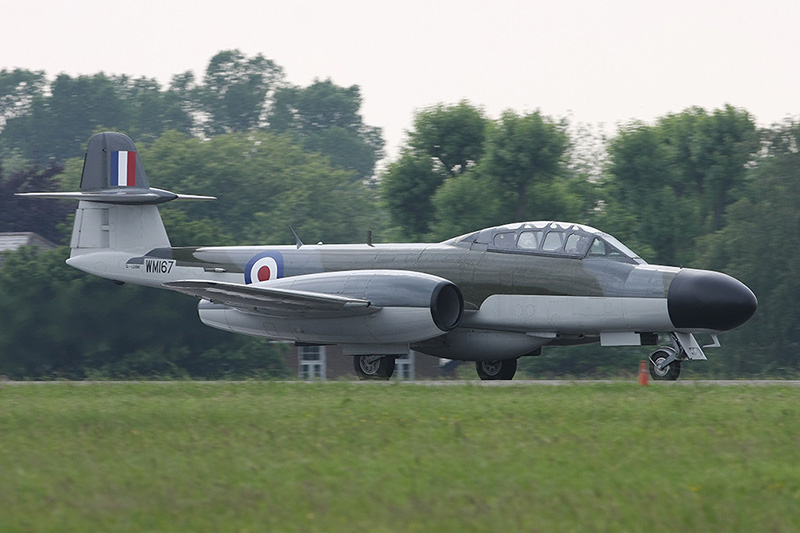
[{"x": 273, "y": 301}]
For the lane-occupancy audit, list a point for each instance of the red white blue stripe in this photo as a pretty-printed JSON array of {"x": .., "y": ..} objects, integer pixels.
[{"x": 123, "y": 169}]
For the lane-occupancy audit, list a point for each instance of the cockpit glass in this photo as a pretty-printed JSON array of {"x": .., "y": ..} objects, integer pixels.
[
  {"x": 598, "y": 248},
  {"x": 529, "y": 240},
  {"x": 601, "y": 248},
  {"x": 624, "y": 250},
  {"x": 504, "y": 240},
  {"x": 552, "y": 241},
  {"x": 577, "y": 244}
]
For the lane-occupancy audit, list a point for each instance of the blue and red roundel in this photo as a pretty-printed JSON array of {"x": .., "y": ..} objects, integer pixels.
[{"x": 264, "y": 267}]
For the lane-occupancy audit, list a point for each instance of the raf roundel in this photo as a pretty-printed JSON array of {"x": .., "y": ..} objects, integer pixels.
[{"x": 264, "y": 267}]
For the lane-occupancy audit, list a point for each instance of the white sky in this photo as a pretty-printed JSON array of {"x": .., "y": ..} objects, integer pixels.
[{"x": 597, "y": 62}]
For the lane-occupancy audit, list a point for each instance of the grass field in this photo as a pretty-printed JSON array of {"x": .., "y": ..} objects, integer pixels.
[{"x": 258, "y": 456}]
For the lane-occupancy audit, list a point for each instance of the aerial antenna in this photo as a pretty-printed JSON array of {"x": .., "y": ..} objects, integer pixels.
[{"x": 296, "y": 237}]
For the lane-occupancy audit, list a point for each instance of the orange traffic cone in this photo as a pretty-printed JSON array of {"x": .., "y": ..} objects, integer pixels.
[{"x": 643, "y": 373}]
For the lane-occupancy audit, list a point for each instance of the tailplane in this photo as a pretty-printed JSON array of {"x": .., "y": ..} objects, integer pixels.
[{"x": 117, "y": 209}]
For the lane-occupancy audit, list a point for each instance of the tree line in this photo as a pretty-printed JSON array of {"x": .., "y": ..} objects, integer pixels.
[
  {"x": 44, "y": 120},
  {"x": 697, "y": 188}
]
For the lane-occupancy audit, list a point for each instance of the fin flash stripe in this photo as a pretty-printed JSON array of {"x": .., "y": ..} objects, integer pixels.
[{"x": 123, "y": 169}]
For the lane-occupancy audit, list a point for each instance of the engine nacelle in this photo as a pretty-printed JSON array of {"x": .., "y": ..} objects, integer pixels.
[
  {"x": 480, "y": 345},
  {"x": 405, "y": 307}
]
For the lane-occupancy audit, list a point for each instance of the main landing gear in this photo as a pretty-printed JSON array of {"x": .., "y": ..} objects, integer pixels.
[
  {"x": 373, "y": 366},
  {"x": 502, "y": 369}
]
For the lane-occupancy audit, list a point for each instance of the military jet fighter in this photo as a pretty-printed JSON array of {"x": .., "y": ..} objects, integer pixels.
[{"x": 491, "y": 296}]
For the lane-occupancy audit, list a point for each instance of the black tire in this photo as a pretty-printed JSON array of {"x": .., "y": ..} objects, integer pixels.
[
  {"x": 670, "y": 372},
  {"x": 373, "y": 366},
  {"x": 502, "y": 369}
]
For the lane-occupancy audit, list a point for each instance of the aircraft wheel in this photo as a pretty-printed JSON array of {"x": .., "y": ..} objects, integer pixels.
[
  {"x": 668, "y": 373},
  {"x": 503, "y": 369},
  {"x": 373, "y": 366}
]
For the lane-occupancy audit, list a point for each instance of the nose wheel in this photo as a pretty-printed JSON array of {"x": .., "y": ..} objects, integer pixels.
[{"x": 664, "y": 364}]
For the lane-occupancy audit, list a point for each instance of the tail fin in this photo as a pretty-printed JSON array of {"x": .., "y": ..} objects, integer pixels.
[
  {"x": 112, "y": 162},
  {"x": 117, "y": 209}
]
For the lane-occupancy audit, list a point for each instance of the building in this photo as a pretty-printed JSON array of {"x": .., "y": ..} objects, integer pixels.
[
  {"x": 327, "y": 362},
  {"x": 14, "y": 240}
]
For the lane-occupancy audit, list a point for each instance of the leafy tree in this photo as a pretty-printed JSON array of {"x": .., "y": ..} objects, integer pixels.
[
  {"x": 235, "y": 90},
  {"x": 18, "y": 214},
  {"x": 760, "y": 245},
  {"x": 460, "y": 172},
  {"x": 327, "y": 119},
  {"x": 639, "y": 197},
  {"x": 452, "y": 136},
  {"x": 446, "y": 142},
  {"x": 55, "y": 125},
  {"x": 669, "y": 183},
  {"x": 524, "y": 152},
  {"x": 183, "y": 91},
  {"x": 313, "y": 109},
  {"x": 465, "y": 203},
  {"x": 408, "y": 186},
  {"x": 710, "y": 151},
  {"x": 482, "y": 197},
  {"x": 18, "y": 89},
  {"x": 151, "y": 111}
]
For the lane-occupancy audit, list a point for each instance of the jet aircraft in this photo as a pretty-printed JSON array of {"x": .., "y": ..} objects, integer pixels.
[{"x": 490, "y": 296}]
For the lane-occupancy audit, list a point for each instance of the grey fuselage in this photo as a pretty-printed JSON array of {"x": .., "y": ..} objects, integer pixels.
[{"x": 516, "y": 299}]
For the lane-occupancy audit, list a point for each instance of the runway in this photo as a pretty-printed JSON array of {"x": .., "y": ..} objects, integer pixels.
[
  {"x": 454, "y": 382},
  {"x": 578, "y": 382}
]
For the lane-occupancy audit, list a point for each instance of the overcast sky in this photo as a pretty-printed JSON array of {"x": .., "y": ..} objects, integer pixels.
[{"x": 596, "y": 62}]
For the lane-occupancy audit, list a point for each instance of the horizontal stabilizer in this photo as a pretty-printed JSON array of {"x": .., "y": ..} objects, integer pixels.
[
  {"x": 113, "y": 174},
  {"x": 274, "y": 301},
  {"x": 127, "y": 196}
]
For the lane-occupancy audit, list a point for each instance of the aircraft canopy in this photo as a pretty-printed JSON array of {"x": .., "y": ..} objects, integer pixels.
[{"x": 549, "y": 238}]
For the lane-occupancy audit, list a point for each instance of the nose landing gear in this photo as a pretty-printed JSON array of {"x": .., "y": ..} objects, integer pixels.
[{"x": 665, "y": 364}]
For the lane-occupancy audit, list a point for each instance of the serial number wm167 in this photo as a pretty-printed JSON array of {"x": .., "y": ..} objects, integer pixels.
[{"x": 158, "y": 266}]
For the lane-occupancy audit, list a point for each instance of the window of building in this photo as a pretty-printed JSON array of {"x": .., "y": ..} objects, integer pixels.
[
  {"x": 311, "y": 362},
  {"x": 404, "y": 367}
]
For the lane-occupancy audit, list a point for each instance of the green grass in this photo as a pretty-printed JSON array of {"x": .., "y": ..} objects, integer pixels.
[{"x": 397, "y": 457}]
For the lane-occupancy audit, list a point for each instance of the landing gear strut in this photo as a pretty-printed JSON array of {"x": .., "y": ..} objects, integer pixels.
[
  {"x": 502, "y": 369},
  {"x": 665, "y": 364},
  {"x": 373, "y": 366}
]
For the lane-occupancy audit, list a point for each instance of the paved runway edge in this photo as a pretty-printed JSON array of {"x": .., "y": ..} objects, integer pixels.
[{"x": 449, "y": 383}]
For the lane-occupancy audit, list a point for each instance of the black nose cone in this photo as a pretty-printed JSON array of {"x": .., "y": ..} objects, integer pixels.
[{"x": 703, "y": 299}]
